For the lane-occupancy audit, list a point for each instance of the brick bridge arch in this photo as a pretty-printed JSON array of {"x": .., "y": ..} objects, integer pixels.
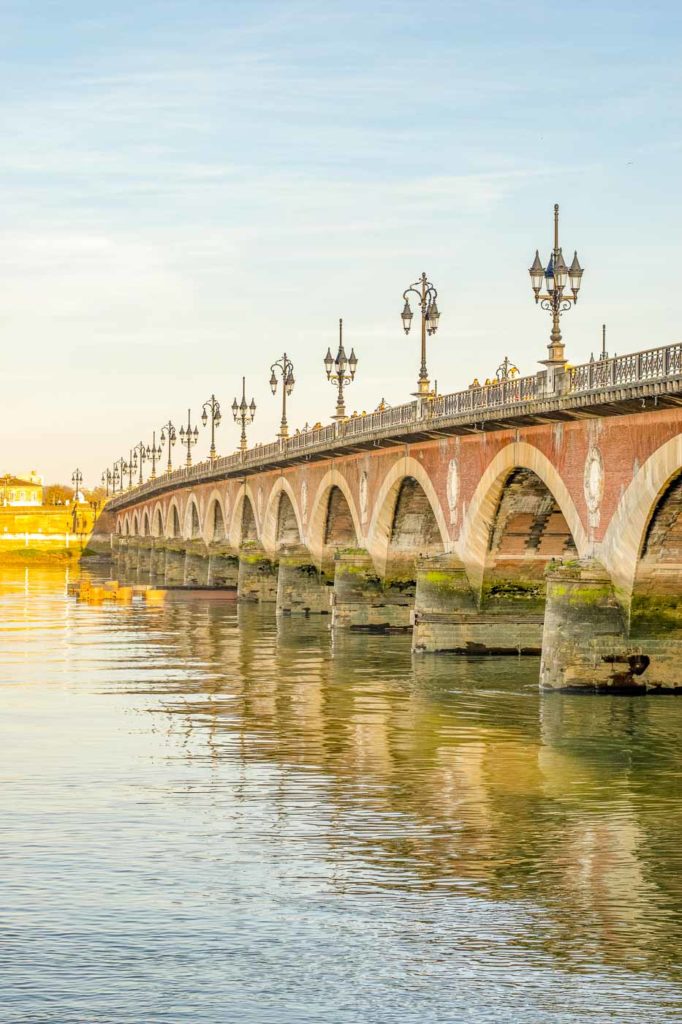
[
  {"x": 475, "y": 535},
  {"x": 331, "y": 509},
  {"x": 624, "y": 539},
  {"x": 282, "y": 516},
  {"x": 215, "y": 526},
  {"x": 244, "y": 524}
]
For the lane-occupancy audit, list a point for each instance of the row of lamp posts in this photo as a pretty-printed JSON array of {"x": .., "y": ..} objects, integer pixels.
[
  {"x": 557, "y": 278},
  {"x": 340, "y": 371}
]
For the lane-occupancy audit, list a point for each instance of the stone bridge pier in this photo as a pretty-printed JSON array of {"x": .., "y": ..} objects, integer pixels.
[{"x": 561, "y": 540}]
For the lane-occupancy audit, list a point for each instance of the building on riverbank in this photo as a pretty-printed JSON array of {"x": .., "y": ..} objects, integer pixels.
[{"x": 20, "y": 491}]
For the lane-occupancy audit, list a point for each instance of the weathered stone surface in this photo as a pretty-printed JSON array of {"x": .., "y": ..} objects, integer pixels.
[
  {"x": 257, "y": 580},
  {"x": 448, "y": 618},
  {"x": 157, "y": 566},
  {"x": 223, "y": 567},
  {"x": 363, "y": 601},
  {"x": 302, "y": 588},
  {"x": 175, "y": 563},
  {"x": 196, "y": 563},
  {"x": 584, "y": 645}
]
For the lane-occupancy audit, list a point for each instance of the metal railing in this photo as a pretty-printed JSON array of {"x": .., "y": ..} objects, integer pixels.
[
  {"x": 635, "y": 368},
  {"x": 652, "y": 365}
]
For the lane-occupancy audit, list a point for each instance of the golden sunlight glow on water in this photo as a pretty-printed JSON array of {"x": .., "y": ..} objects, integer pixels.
[{"x": 213, "y": 816}]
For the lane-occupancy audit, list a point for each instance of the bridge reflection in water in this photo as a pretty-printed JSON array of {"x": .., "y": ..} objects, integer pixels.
[{"x": 469, "y": 823}]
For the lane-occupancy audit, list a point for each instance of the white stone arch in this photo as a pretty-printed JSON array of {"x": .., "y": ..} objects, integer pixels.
[
  {"x": 270, "y": 517},
  {"x": 126, "y": 525},
  {"x": 317, "y": 519},
  {"x": 186, "y": 521},
  {"x": 172, "y": 504},
  {"x": 474, "y": 538},
  {"x": 622, "y": 543},
  {"x": 381, "y": 522},
  {"x": 235, "y": 537},
  {"x": 157, "y": 517},
  {"x": 135, "y": 524},
  {"x": 207, "y": 522},
  {"x": 146, "y": 522}
]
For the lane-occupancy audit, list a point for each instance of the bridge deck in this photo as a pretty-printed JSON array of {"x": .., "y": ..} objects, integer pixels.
[{"x": 610, "y": 387}]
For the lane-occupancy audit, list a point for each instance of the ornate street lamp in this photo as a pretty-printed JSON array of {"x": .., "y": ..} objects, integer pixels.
[
  {"x": 140, "y": 450},
  {"x": 426, "y": 295},
  {"x": 340, "y": 371},
  {"x": 106, "y": 480},
  {"x": 212, "y": 407},
  {"x": 188, "y": 437},
  {"x": 168, "y": 437},
  {"x": 116, "y": 477},
  {"x": 556, "y": 277},
  {"x": 285, "y": 368},
  {"x": 131, "y": 466},
  {"x": 76, "y": 480},
  {"x": 154, "y": 453},
  {"x": 506, "y": 370},
  {"x": 243, "y": 414}
]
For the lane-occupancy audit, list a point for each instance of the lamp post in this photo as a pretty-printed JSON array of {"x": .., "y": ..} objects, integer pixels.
[
  {"x": 106, "y": 480},
  {"x": 340, "y": 371},
  {"x": 76, "y": 480},
  {"x": 130, "y": 466},
  {"x": 154, "y": 454},
  {"x": 116, "y": 477},
  {"x": 506, "y": 370},
  {"x": 140, "y": 450},
  {"x": 426, "y": 295},
  {"x": 285, "y": 368},
  {"x": 212, "y": 406},
  {"x": 555, "y": 300},
  {"x": 188, "y": 437},
  {"x": 168, "y": 437},
  {"x": 243, "y": 414}
]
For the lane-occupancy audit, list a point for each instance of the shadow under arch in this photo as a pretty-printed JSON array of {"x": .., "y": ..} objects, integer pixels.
[
  {"x": 625, "y": 538},
  {"x": 192, "y": 519},
  {"x": 478, "y": 526},
  {"x": 272, "y": 519},
  {"x": 320, "y": 537},
  {"x": 214, "y": 530},
  {"x": 395, "y": 490},
  {"x": 244, "y": 524},
  {"x": 157, "y": 521},
  {"x": 173, "y": 531}
]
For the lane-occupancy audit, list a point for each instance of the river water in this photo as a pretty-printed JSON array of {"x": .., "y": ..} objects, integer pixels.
[{"x": 212, "y": 816}]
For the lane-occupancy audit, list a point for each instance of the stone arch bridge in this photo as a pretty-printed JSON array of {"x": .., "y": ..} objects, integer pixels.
[{"x": 501, "y": 520}]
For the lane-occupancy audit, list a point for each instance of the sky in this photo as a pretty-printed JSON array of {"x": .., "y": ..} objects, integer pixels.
[{"x": 189, "y": 189}]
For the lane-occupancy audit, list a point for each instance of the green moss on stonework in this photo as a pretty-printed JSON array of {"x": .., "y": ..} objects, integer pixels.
[
  {"x": 350, "y": 553},
  {"x": 402, "y": 585},
  {"x": 591, "y": 596},
  {"x": 254, "y": 558},
  {"x": 655, "y": 614},
  {"x": 305, "y": 569},
  {"x": 347, "y": 569}
]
